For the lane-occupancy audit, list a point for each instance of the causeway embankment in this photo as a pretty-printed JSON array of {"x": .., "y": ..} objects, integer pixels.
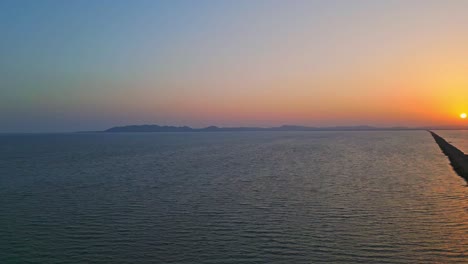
[{"x": 458, "y": 159}]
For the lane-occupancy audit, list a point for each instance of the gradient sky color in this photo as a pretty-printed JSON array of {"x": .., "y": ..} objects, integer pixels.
[{"x": 90, "y": 65}]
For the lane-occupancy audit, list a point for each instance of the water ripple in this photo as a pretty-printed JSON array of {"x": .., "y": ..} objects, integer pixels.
[{"x": 312, "y": 197}]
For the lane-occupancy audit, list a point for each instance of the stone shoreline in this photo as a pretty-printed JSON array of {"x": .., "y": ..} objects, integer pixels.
[{"x": 458, "y": 159}]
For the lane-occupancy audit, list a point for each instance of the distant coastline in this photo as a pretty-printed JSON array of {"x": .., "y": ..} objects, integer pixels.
[{"x": 158, "y": 128}]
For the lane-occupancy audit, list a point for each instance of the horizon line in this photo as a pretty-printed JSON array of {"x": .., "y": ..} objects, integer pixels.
[{"x": 284, "y": 127}]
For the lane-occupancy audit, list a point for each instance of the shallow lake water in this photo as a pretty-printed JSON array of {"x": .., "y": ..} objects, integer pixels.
[{"x": 245, "y": 197}]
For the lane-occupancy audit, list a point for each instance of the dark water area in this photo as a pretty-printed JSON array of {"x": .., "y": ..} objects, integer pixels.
[{"x": 253, "y": 197}]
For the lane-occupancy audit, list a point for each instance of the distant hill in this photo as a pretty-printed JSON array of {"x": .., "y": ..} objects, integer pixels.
[
  {"x": 150, "y": 128},
  {"x": 158, "y": 128}
]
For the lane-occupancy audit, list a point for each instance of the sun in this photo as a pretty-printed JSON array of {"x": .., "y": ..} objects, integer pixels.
[{"x": 463, "y": 115}]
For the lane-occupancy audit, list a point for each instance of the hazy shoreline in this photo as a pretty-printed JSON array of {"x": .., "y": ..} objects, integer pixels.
[{"x": 158, "y": 128}]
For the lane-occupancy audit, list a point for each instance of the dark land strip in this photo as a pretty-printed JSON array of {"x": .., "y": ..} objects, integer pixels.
[{"x": 458, "y": 159}]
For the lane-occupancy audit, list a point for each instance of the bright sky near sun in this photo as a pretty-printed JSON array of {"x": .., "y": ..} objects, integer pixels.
[{"x": 89, "y": 65}]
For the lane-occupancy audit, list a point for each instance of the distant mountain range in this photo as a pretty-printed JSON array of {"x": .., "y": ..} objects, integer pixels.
[{"x": 157, "y": 128}]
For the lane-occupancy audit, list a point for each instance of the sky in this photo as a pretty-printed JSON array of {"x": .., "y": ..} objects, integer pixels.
[{"x": 89, "y": 65}]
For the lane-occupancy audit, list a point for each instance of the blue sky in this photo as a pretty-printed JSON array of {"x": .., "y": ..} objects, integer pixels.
[{"x": 86, "y": 65}]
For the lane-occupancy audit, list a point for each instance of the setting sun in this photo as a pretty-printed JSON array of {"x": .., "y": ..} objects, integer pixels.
[{"x": 463, "y": 115}]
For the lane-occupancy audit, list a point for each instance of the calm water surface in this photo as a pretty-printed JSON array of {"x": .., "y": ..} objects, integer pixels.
[{"x": 254, "y": 197}]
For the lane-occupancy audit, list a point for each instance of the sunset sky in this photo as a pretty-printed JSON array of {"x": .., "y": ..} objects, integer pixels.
[{"x": 90, "y": 65}]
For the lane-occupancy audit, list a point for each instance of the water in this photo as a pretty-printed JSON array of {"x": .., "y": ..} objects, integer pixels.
[{"x": 254, "y": 197}]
